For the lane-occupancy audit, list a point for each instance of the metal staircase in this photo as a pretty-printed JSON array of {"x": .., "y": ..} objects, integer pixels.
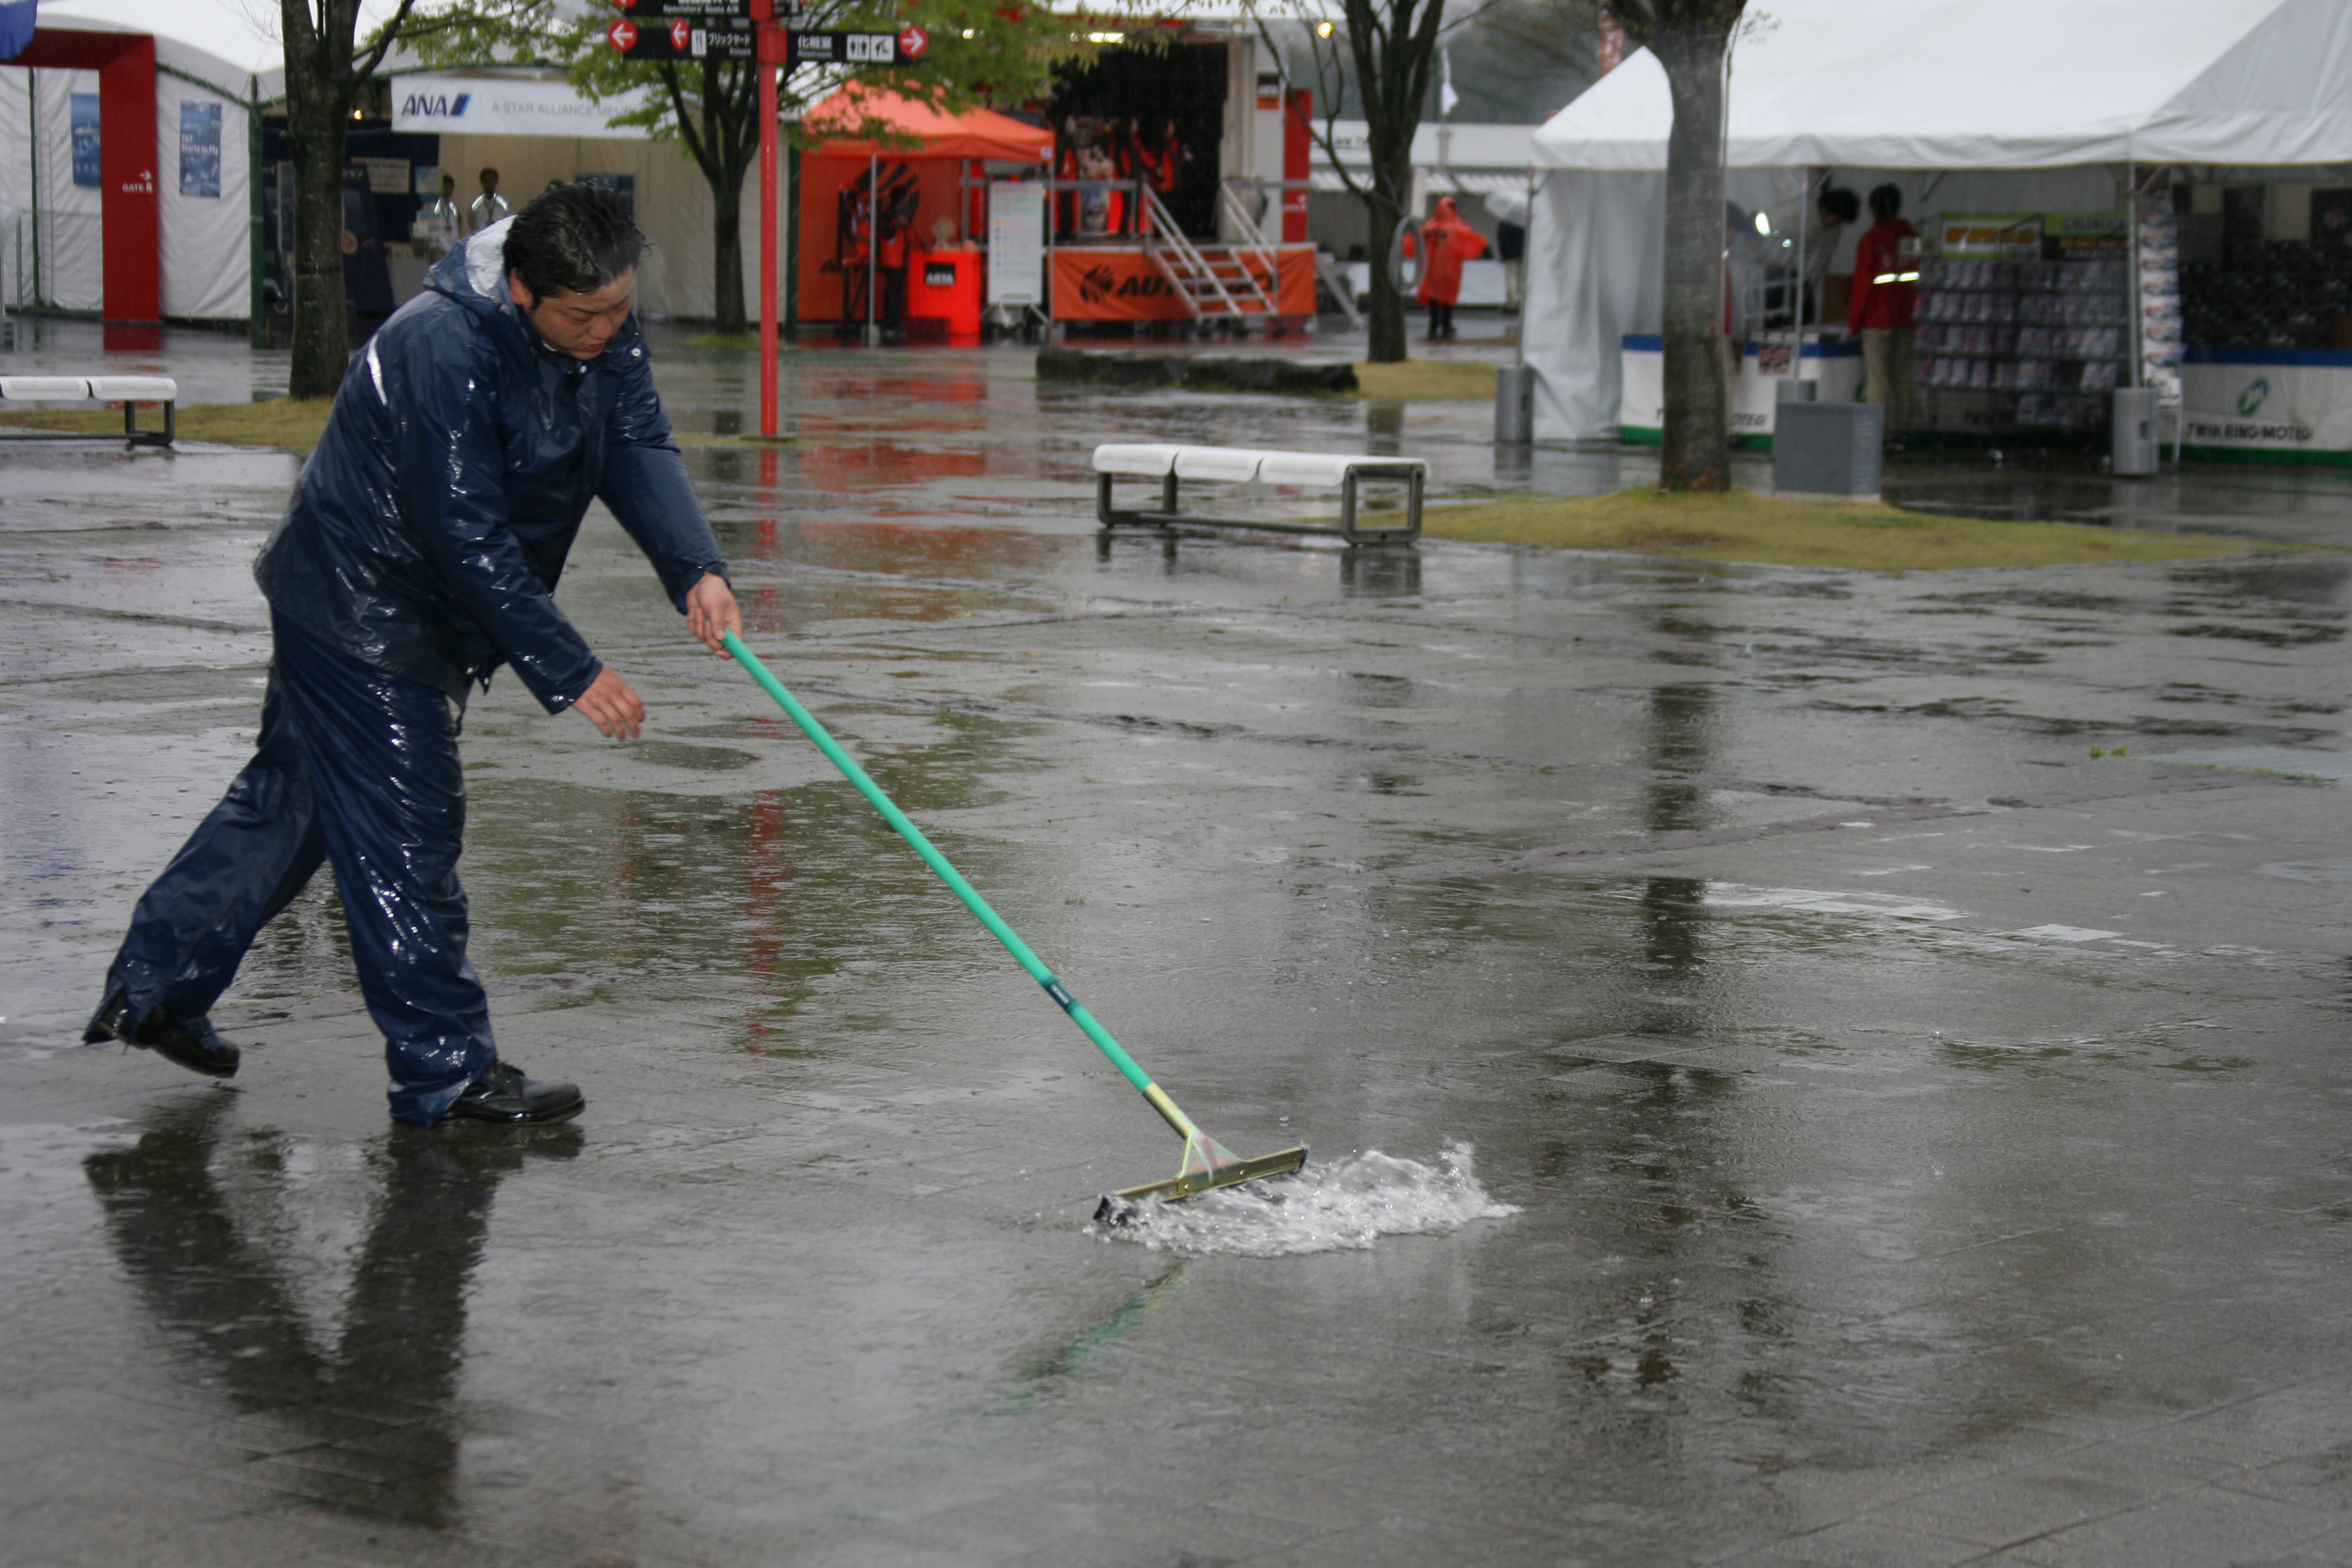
[{"x": 1212, "y": 282}]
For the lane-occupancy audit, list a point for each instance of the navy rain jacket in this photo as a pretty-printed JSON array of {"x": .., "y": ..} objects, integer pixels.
[{"x": 429, "y": 529}]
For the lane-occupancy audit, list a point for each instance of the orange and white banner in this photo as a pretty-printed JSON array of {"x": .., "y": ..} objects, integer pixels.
[{"x": 1093, "y": 284}]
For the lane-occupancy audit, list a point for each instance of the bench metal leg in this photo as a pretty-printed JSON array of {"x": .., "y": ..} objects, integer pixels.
[
  {"x": 1405, "y": 535},
  {"x": 138, "y": 437},
  {"x": 1110, "y": 515}
]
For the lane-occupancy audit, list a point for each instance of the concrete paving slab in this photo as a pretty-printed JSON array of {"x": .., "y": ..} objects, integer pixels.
[{"x": 1922, "y": 1128}]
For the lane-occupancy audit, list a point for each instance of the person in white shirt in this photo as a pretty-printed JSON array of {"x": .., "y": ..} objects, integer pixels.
[
  {"x": 440, "y": 225},
  {"x": 489, "y": 207}
]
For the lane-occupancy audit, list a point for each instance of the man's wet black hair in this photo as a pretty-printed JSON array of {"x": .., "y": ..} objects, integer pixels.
[
  {"x": 1841, "y": 203},
  {"x": 574, "y": 239},
  {"x": 1886, "y": 202}
]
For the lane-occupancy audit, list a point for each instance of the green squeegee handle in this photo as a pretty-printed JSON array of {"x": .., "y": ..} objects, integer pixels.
[{"x": 948, "y": 874}]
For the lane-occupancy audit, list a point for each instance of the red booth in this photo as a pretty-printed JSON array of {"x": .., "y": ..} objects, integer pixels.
[{"x": 852, "y": 182}]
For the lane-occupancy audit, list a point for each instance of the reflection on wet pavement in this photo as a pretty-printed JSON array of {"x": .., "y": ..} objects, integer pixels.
[
  {"x": 202, "y": 1225},
  {"x": 1915, "y": 1078}
]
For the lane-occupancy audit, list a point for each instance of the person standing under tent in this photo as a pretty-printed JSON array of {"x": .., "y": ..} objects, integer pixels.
[
  {"x": 441, "y": 225},
  {"x": 490, "y": 206},
  {"x": 890, "y": 261},
  {"x": 1836, "y": 209},
  {"x": 1448, "y": 242},
  {"x": 1886, "y": 291},
  {"x": 1161, "y": 161},
  {"x": 1067, "y": 203},
  {"x": 420, "y": 551},
  {"x": 1509, "y": 210}
]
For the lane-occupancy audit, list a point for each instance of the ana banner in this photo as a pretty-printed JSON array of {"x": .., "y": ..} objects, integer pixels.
[
  {"x": 1091, "y": 284},
  {"x": 505, "y": 106}
]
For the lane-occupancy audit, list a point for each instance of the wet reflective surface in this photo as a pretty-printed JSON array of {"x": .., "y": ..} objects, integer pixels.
[{"x": 1923, "y": 1111}]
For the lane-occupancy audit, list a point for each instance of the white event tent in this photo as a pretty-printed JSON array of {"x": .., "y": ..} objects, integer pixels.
[
  {"x": 1982, "y": 104},
  {"x": 205, "y": 148}
]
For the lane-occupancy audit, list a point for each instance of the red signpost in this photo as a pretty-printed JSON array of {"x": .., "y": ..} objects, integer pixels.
[
  {"x": 774, "y": 48},
  {"x": 771, "y": 56}
]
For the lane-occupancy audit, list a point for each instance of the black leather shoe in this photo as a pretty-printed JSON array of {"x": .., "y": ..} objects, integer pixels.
[
  {"x": 502, "y": 1094},
  {"x": 193, "y": 1045}
]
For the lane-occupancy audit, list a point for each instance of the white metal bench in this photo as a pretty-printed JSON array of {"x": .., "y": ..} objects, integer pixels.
[
  {"x": 130, "y": 391},
  {"x": 1240, "y": 465}
]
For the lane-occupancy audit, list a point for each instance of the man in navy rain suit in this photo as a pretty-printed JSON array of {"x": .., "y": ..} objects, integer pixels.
[{"x": 420, "y": 551}]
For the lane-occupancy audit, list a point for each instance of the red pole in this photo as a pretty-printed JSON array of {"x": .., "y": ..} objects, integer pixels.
[{"x": 770, "y": 49}]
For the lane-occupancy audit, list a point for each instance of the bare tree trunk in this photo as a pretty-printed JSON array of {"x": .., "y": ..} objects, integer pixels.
[
  {"x": 1697, "y": 453},
  {"x": 321, "y": 320},
  {"x": 1393, "y": 43},
  {"x": 727, "y": 261},
  {"x": 720, "y": 131},
  {"x": 1385, "y": 323},
  {"x": 325, "y": 71},
  {"x": 319, "y": 91}
]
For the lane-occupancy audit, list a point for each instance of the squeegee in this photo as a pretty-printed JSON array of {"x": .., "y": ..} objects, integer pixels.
[{"x": 1206, "y": 1164}]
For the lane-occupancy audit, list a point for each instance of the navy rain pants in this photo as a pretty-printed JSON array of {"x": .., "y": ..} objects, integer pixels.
[{"x": 359, "y": 767}]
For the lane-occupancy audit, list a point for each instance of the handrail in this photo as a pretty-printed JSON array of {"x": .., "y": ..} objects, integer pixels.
[
  {"x": 1246, "y": 226},
  {"x": 1164, "y": 230},
  {"x": 1254, "y": 239}
]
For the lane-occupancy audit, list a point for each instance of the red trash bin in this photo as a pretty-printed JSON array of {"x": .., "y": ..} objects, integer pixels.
[{"x": 943, "y": 295}]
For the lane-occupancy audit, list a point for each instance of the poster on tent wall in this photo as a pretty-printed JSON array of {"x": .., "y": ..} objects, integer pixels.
[
  {"x": 1111, "y": 284},
  {"x": 200, "y": 149},
  {"x": 1016, "y": 242},
  {"x": 204, "y": 217},
  {"x": 84, "y": 112},
  {"x": 2286, "y": 406}
]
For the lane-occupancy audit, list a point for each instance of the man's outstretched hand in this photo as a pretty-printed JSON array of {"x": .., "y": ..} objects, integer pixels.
[
  {"x": 711, "y": 612},
  {"x": 612, "y": 705}
]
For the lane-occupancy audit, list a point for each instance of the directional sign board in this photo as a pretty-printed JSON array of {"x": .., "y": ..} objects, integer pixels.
[
  {"x": 639, "y": 10},
  {"x": 840, "y": 48},
  {"x": 684, "y": 37}
]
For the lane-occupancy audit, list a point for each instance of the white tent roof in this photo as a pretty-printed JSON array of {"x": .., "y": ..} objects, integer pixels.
[
  {"x": 241, "y": 79},
  {"x": 2000, "y": 84}
]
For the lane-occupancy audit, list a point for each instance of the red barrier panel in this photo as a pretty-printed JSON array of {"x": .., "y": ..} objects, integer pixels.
[{"x": 131, "y": 221}]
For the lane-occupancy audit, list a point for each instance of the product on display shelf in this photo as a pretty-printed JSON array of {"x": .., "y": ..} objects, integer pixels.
[{"x": 2040, "y": 305}]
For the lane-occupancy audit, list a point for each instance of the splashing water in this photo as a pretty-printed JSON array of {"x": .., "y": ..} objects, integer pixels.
[{"x": 1326, "y": 1208}]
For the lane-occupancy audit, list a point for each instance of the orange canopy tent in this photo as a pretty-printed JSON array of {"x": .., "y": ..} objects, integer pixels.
[
  {"x": 839, "y": 120},
  {"x": 925, "y": 154}
]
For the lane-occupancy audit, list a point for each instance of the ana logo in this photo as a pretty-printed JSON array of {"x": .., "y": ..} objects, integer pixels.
[
  {"x": 440, "y": 106},
  {"x": 2250, "y": 400}
]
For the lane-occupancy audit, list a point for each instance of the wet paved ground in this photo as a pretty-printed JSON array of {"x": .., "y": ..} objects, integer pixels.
[{"x": 1924, "y": 1107}]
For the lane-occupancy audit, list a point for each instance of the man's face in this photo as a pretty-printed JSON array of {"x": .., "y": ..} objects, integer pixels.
[
  {"x": 577, "y": 324},
  {"x": 489, "y": 185}
]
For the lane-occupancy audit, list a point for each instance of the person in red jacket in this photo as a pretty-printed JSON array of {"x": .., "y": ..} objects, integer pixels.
[
  {"x": 1878, "y": 310},
  {"x": 1450, "y": 242}
]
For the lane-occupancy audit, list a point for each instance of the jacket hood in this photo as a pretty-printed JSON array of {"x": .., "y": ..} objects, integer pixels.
[
  {"x": 475, "y": 273},
  {"x": 1446, "y": 208}
]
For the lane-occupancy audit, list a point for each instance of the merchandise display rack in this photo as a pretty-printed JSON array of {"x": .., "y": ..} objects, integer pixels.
[{"x": 2020, "y": 345}]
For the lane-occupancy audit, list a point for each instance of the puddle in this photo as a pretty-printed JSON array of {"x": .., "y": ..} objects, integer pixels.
[
  {"x": 2291, "y": 759},
  {"x": 1340, "y": 1207}
]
